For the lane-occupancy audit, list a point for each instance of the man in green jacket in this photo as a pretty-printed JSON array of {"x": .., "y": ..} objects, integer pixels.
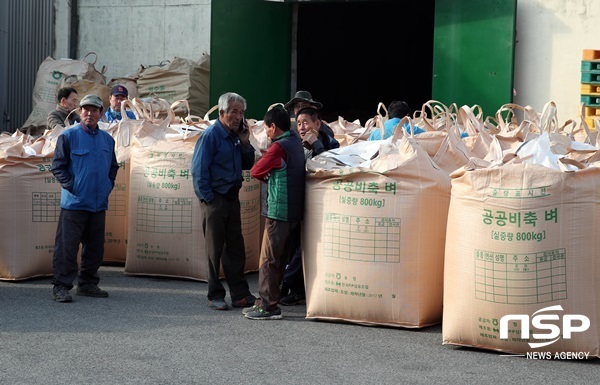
[{"x": 283, "y": 168}]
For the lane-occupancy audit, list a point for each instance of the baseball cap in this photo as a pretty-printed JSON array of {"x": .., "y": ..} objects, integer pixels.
[
  {"x": 119, "y": 90},
  {"x": 91, "y": 100}
]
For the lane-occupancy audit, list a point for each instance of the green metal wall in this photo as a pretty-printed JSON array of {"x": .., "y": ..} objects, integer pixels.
[
  {"x": 250, "y": 49},
  {"x": 474, "y": 52}
]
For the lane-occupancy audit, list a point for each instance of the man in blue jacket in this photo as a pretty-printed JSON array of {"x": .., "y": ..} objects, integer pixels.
[
  {"x": 86, "y": 166},
  {"x": 118, "y": 94},
  {"x": 397, "y": 110},
  {"x": 221, "y": 153}
]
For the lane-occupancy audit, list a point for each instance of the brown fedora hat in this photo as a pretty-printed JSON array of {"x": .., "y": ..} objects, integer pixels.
[{"x": 302, "y": 96}]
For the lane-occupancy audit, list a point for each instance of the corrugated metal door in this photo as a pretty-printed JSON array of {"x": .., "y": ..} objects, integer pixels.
[
  {"x": 3, "y": 63},
  {"x": 26, "y": 39}
]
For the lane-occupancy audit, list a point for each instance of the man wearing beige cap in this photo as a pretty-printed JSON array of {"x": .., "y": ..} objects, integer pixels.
[{"x": 86, "y": 166}]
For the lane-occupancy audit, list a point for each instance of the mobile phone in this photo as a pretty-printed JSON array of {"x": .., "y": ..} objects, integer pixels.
[{"x": 241, "y": 127}]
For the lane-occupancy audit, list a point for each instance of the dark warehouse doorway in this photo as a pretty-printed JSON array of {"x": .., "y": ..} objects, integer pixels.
[{"x": 353, "y": 55}]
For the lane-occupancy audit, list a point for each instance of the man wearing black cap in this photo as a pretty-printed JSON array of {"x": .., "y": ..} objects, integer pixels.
[
  {"x": 304, "y": 99},
  {"x": 86, "y": 166},
  {"x": 118, "y": 94}
]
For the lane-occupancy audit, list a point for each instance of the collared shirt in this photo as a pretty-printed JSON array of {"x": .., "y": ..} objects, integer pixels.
[
  {"x": 389, "y": 127},
  {"x": 86, "y": 166},
  {"x": 111, "y": 115},
  {"x": 218, "y": 161}
]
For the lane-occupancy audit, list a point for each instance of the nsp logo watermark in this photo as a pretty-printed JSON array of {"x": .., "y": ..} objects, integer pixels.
[{"x": 571, "y": 323}]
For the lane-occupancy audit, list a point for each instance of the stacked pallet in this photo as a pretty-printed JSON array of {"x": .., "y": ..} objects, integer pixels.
[{"x": 590, "y": 86}]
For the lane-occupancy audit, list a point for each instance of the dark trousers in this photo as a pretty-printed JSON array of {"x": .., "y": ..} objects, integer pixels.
[
  {"x": 77, "y": 227},
  {"x": 274, "y": 253},
  {"x": 224, "y": 245},
  {"x": 293, "y": 277}
]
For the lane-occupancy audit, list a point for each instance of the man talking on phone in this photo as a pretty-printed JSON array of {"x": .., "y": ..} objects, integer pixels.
[{"x": 221, "y": 153}]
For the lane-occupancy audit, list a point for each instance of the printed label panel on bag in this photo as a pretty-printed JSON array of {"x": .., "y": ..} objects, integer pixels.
[
  {"x": 361, "y": 238},
  {"x": 521, "y": 278},
  {"x": 117, "y": 200},
  {"x": 164, "y": 215},
  {"x": 45, "y": 206}
]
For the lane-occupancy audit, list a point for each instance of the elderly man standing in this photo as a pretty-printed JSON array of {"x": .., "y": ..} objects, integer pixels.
[
  {"x": 86, "y": 166},
  {"x": 221, "y": 153}
]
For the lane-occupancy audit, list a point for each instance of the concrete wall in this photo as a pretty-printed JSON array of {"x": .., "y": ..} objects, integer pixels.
[
  {"x": 62, "y": 28},
  {"x": 551, "y": 36},
  {"x": 127, "y": 34}
]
